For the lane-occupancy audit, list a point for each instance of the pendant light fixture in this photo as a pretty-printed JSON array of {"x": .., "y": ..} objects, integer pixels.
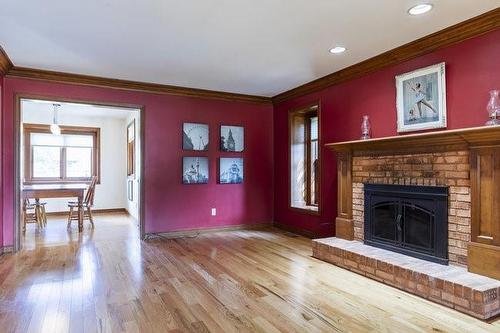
[{"x": 54, "y": 127}]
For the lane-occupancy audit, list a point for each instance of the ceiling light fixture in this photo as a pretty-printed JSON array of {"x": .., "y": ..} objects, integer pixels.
[
  {"x": 337, "y": 49},
  {"x": 54, "y": 127},
  {"x": 420, "y": 9}
]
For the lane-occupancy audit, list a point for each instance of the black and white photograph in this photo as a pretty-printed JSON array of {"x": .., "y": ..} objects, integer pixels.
[
  {"x": 195, "y": 170},
  {"x": 421, "y": 99},
  {"x": 231, "y": 170},
  {"x": 195, "y": 136},
  {"x": 232, "y": 138}
]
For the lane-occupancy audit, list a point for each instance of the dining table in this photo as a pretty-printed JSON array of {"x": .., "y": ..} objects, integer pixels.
[{"x": 47, "y": 191}]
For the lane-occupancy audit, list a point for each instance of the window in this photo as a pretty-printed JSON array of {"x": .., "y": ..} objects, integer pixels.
[
  {"x": 304, "y": 153},
  {"x": 72, "y": 156}
]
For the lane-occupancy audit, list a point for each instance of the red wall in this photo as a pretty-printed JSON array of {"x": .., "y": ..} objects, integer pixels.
[
  {"x": 472, "y": 69},
  {"x": 1, "y": 178},
  {"x": 169, "y": 205}
]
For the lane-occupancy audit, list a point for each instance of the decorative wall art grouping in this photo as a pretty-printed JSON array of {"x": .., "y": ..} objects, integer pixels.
[{"x": 195, "y": 169}]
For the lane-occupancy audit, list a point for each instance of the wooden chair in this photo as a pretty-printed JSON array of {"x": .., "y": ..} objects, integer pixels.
[
  {"x": 40, "y": 206},
  {"x": 31, "y": 214},
  {"x": 87, "y": 204}
]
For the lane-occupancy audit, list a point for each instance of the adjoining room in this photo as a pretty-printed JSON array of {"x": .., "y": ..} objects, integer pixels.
[{"x": 79, "y": 166}]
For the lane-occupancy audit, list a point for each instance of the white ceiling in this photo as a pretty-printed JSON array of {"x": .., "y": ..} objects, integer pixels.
[
  {"x": 259, "y": 47},
  {"x": 69, "y": 110}
]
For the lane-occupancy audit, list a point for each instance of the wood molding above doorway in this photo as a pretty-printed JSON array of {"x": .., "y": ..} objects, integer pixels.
[{"x": 155, "y": 88}]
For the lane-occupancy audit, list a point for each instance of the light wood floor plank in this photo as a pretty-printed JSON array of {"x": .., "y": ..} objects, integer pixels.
[{"x": 106, "y": 280}]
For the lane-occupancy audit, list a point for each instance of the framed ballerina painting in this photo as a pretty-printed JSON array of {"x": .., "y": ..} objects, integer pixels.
[{"x": 421, "y": 99}]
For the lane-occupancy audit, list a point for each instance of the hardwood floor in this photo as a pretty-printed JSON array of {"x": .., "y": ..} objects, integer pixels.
[{"x": 236, "y": 281}]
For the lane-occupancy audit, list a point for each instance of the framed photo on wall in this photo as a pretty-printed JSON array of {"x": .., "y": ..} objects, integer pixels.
[
  {"x": 231, "y": 170},
  {"x": 232, "y": 138},
  {"x": 421, "y": 99},
  {"x": 195, "y": 170},
  {"x": 194, "y": 136}
]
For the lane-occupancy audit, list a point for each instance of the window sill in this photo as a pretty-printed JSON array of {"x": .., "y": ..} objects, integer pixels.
[
  {"x": 66, "y": 181},
  {"x": 311, "y": 210}
]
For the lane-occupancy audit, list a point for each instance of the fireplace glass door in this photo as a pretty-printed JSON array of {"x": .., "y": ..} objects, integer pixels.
[{"x": 408, "y": 219}]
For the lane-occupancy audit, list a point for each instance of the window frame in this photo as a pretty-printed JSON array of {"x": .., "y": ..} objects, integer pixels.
[
  {"x": 307, "y": 112},
  {"x": 307, "y": 152},
  {"x": 95, "y": 132}
]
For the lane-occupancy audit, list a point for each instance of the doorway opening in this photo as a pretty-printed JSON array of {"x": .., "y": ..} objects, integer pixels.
[{"x": 79, "y": 171}]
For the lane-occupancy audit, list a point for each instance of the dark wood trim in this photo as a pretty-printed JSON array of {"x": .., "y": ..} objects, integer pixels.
[
  {"x": 5, "y": 63},
  {"x": 344, "y": 227},
  {"x": 457, "y": 139},
  {"x": 485, "y": 194},
  {"x": 43, "y": 128},
  {"x": 155, "y": 88},
  {"x": 198, "y": 231},
  {"x": 484, "y": 259},
  {"x": 455, "y": 34},
  {"x": 294, "y": 230},
  {"x": 304, "y": 110}
]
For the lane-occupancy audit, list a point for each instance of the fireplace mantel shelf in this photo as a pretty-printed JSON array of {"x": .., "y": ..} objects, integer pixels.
[{"x": 422, "y": 142}]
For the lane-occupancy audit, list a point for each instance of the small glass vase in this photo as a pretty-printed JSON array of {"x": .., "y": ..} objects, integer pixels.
[
  {"x": 493, "y": 108},
  {"x": 366, "y": 128}
]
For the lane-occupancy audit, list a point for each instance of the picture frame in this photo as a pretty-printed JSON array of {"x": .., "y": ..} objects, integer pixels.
[
  {"x": 195, "y": 170},
  {"x": 231, "y": 170},
  {"x": 195, "y": 136},
  {"x": 421, "y": 99},
  {"x": 232, "y": 138}
]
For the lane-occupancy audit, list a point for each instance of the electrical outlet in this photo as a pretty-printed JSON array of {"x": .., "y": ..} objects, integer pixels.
[{"x": 214, "y": 211}]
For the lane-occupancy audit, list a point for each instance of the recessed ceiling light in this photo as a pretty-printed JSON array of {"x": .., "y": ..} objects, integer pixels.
[
  {"x": 337, "y": 49},
  {"x": 420, "y": 9}
]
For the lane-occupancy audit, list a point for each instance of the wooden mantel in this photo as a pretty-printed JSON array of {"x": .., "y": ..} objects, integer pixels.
[
  {"x": 422, "y": 142},
  {"x": 483, "y": 145}
]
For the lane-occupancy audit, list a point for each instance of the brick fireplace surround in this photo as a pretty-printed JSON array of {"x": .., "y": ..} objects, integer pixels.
[
  {"x": 468, "y": 162},
  {"x": 442, "y": 168}
]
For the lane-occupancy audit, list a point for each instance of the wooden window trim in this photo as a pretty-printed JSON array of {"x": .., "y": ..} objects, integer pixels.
[
  {"x": 306, "y": 111},
  {"x": 95, "y": 132},
  {"x": 307, "y": 152}
]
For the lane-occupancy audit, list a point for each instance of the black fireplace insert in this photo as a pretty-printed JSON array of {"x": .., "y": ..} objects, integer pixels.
[{"x": 408, "y": 219}]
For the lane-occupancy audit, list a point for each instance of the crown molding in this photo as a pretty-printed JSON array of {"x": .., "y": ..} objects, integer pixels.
[
  {"x": 457, "y": 33},
  {"x": 155, "y": 88},
  {"x": 5, "y": 63}
]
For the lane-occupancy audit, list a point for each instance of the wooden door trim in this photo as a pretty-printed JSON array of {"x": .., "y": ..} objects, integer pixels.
[{"x": 17, "y": 151}]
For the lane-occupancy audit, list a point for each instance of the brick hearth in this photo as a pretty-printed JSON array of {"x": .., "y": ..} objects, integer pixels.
[
  {"x": 451, "y": 286},
  {"x": 442, "y": 168}
]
